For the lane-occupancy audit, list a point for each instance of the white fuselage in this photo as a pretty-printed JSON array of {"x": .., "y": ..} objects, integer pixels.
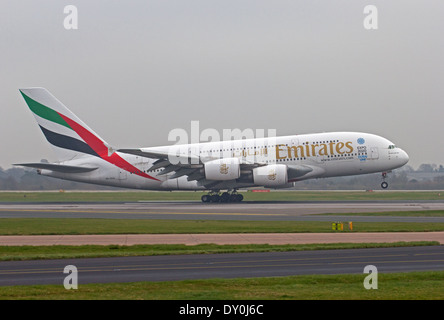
[{"x": 324, "y": 154}]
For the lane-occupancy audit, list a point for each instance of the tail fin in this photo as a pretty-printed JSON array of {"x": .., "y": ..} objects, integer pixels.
[{"x": 70, "y": 136}]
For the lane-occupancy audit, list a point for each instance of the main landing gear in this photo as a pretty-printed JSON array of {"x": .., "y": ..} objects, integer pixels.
[
  {"x": 384, "y": 184},
  {"x": 215, "y": 196}
]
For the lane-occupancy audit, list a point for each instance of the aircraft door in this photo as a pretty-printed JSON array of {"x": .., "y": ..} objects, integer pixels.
[
  {"x": 122, "y": 174},
  {"x": 374, "y": 153}
]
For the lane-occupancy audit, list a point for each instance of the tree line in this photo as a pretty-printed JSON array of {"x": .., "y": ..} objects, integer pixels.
[{"x": 425, "y": 177}]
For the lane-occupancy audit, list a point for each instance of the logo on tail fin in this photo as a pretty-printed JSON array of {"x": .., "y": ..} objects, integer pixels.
[{"x": 64, "y": 130}]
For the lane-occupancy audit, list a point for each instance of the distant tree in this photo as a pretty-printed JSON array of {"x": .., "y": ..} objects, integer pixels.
[
  {"x": 406, "y": 168},
  {"x": 426, "y": 167}
]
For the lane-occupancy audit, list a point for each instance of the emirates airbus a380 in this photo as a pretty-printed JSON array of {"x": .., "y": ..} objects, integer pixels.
[{"x": 273, "y": 162}]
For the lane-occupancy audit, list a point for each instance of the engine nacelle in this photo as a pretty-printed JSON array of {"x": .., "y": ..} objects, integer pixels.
[
  {"x": 271, "y": 176},
  {"x": 222, "y": 169}
]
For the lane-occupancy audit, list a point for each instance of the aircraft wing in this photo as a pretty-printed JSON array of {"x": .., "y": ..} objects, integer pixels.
[
  {"x": 192, "y": 166},
  {"x": 57, "y": 167},
  {"x": 161, "y": 155},
  {"x": 184, "y": 165},
  {"x": 189, "y": 165}
]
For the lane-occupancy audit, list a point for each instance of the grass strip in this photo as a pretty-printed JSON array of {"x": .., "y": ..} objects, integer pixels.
[
  {"x": 8, "y": 253},
  {"x": 59, "y": 226},
  {"x": 421, "y": 213},
  {"x": 391, "y": 286}
]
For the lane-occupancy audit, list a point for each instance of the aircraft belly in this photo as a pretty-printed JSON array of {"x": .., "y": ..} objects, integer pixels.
[
  {"x": 169, "y": 184},
  {"x": 180, "y": 183}
]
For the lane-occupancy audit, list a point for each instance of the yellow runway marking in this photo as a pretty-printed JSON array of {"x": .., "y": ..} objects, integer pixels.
[
  {"x": 104, "y": 268},
  {"x": 117, "y": 269},
  {"x": 427, "y": 254},
  {"x": 148, "y": 212},
  {"x": 224, "y": 264}
]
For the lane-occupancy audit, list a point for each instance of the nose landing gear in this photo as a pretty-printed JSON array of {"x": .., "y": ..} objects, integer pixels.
[{"x": 384, "y": 184}]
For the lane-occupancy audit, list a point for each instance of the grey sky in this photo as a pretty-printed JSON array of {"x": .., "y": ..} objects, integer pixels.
[{"x": 134, "y": 70}]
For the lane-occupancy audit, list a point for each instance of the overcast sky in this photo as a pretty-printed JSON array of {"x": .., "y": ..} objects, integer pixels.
[{"x": 135, "y": 70}]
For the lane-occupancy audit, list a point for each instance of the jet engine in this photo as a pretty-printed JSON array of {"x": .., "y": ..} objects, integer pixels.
[
  {"x": 222, "y": 169},
  {"x": 271, "y": 175}
]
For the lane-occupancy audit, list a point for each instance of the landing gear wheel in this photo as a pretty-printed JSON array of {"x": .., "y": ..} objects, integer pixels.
[
  {"x": 384, "y": 184},
  {"x": 236, "y": 197},
  {"x": 205, "y": 198},
  {"x": 225, "y": 197}
]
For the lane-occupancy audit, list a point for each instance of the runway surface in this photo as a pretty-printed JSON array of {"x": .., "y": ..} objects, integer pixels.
[
  {"x": 182, "y": 267},
  {"x": 159, "y": 268},
  {"x": 192, "y": 210}
]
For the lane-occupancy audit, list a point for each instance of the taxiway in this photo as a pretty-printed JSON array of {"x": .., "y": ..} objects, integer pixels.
[
  {"x": 204, "y": 266},
  {"x": 193, "y": 210},
  {"x": 157, "y": 268}
]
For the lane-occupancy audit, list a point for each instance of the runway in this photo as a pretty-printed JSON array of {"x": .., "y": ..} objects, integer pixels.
[
  {"x": 247, "y": 211},
  {"x": 160, "y": 268},
  {"x": 193, "y": 210},
  {"x": 249, "y": 265}
]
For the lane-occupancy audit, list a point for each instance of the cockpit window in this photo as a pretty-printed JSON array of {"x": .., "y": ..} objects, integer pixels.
[{"x": 392, "y": 146}]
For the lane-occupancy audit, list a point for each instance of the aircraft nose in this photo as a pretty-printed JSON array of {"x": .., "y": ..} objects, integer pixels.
[{"x": 404, "y": 157}]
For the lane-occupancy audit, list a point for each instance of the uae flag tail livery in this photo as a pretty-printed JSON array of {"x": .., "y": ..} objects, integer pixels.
[{"x": 71, "y": 139}]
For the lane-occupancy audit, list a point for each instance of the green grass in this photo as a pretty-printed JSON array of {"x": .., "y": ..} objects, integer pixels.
[
  {"x": 9, "y": 253},
  {"x": 195, "y": 196},
  {"x": 58, "y": 226},
  {"x": 391, "y": 286},
  {"x": 420, "y": 285},
  {"x": 420, "y": 213}
]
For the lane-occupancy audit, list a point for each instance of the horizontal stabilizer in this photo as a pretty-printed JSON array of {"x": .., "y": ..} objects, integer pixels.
[{"x": 57, "y": 167}]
